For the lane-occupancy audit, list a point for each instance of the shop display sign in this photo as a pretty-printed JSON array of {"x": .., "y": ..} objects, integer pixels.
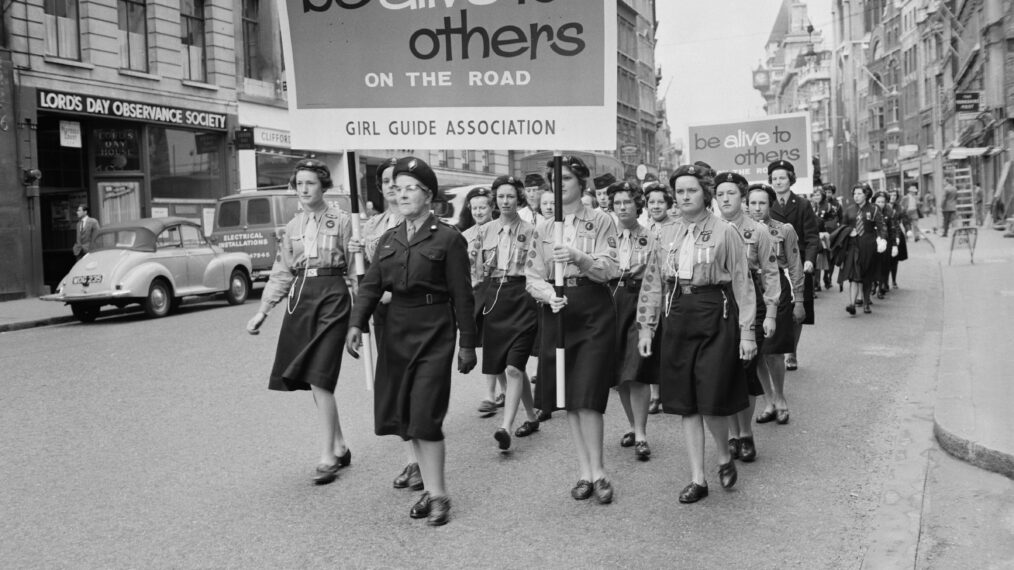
[
  {"x": 493, "y": 74},
  {"x": 117, "y": 149},
  {"x": 70, "y": 134},
  {"x": 133, "y": 110}
]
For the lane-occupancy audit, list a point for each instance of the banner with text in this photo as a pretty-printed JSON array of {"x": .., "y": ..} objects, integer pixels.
[
  {"x": 432, "y": 74},
  {"x": 748, "y": 146}
]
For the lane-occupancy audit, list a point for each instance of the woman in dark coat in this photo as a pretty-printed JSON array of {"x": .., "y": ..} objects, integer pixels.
[
  {"x": 858, "y": 257},
  {"x": 424, "y": 263},
  {"x": 309, "y": 276},
  {"x": 898, "y": 247}
]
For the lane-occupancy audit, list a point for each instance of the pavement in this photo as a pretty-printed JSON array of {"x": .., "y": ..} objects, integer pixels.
[{"x": 974, "y": 386}]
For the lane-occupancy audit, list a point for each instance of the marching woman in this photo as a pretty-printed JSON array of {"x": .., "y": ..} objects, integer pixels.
[
  {"x": 698, "y": 282},
  {"x": 660, "y": 204},
  {"x": 790, "y": 311},
  {"x": 865, "y": 226},
  {"x": 509, "y": 317},
  {"x": 424, "y": 264},
  {"x": 634, "y": 373},
  {"x": 309, "y": 277},
  {"x": 589, "y": 254},
  {"x": 730, "y": 193},
  {"x": 374, "y": 228},
  {"x": 897, "y": 247}
]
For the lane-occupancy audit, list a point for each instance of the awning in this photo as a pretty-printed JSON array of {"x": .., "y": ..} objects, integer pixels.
[{"x": 964, "y": 152}]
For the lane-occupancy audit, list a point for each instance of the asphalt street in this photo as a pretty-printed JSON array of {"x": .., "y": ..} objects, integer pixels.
[{"x": 155, "y": 443}]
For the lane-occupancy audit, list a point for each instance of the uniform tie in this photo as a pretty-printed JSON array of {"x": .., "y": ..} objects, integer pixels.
[
  {"x": 782, "y": 200},
  {"x": 503, "y": 253},
  {"x": 310, "y": 236},
  {"x": 569, "y": 230},
  {"x": 686, "y": 260},
  {"x": 409, "y": 230},
  {"x": 859, "y": 223},
  {"x": 625, "y": 250}
]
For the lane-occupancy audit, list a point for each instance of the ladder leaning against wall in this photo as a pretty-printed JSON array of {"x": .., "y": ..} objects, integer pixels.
[{"x": 965, "y": 232}]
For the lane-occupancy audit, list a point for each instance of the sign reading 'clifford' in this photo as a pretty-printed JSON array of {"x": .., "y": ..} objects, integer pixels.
[{"x": 496, "y": 74}]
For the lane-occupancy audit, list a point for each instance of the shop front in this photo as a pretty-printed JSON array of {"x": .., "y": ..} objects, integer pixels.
[{"x": 123, "y": 160}]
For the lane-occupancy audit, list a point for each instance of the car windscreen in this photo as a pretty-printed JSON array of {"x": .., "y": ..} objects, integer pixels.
[{"x": 137, "y": 239}]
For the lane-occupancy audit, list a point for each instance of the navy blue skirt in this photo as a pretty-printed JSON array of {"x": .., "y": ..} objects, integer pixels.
[{"x": 509, "y": 326}]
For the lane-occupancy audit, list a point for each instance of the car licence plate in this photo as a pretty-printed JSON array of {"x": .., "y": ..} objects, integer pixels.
[{"x": 86, "y": 279}]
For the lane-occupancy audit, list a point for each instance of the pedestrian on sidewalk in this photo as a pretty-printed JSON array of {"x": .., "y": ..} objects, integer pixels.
[
  {"x": 309, "y": 276},
  {"x": 87, "y": 227},
  {"x": 949, "y": 205},
  {"x": 857, "y": 245},
  {"x": 423, "y": 262},
  {"x": 913, "y": 211}
]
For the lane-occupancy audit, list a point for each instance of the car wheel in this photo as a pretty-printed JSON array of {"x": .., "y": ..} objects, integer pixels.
[
  {"x": 159, "y": 300},
  {"x": 85, "y": 313},
  {"x": 239, "y": 287}
]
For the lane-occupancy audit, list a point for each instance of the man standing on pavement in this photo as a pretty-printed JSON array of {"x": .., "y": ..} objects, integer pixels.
[
  {"x": 911, "y": 203},
  {"x": 949, "y": 205},
  {"x": 791, "y": 209},
  {"x": 87, "y": 227}
]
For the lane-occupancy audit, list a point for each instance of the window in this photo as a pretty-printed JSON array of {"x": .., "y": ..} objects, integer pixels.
[
  {"x": 133, "y": 34},
  {"x": 62, "y": 33},
  {"x": 258, "y": 211},
  {"x": 441, "y": 158},
  {"x": 179, "y": 168},
  {"x": 192, "y": 236},
  {"x": 170, "y": 237},
  {"x": 194, "y": 52},
  {"x": 485, "y": 161},
  {"x": 253, "y": 60},
  {"x": 228, "y": 214}
]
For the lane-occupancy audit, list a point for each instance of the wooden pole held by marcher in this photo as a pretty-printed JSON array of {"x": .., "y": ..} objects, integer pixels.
[
  {"x": 561, "y": 361},
  {"x": 360, "y": 261}
]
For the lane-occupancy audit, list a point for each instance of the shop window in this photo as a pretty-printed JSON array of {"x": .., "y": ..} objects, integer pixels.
[
  {"x": 228, "y": 214},
  {"x": 258, "y": 211},
  {"x": 179, "y": 168},
  {"x": 117, "y": 150},
  {"x": 194, "y": 52},
  {"x": 133, "y": 34},
  {"x": 63, "y": 38},
  {"x": 274, "y": 169}
]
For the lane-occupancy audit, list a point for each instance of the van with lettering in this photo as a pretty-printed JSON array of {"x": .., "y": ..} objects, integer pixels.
[{"x": 253, "y": 221}]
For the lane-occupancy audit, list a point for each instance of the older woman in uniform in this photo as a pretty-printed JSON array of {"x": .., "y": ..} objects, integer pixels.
[
  {"x": 731, "y": 193},
  {"x": 589, "y": 254},
  {"x": 424, "y": 264},
  {"x": 634, "y": 373},
  {"x": 509, "y": 318},
  {"x": 660, "y": 205},
  {"x": 374, "y": 228},
  {"x": 698, "y": 282},
  {"x": 309, "y": 277},
  {"x": 865, "y": 226},
  {"x": 790, "y": 311}
]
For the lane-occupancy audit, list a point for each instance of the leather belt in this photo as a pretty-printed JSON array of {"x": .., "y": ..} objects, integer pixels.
[
  {"x": 579, "y": 282},
  {"x": 685, "y": 289},
  {"x": 627, "y": 283},
  {"x": 507, "y": 279},
  {"x": 322, "y": 271},
  {"x": 420, "y": 300}
]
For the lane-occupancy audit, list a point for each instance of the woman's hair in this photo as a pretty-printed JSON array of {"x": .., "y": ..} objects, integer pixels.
[
  {"x": 465, "y": 219},
  {"x": 761, "y": 187},
  {"x": 635, "y": 194},
  {"x": 865, "y": 188},
  {"x": 389, "y": 163},
  {"x": 881, "y": 193},
  {"x": 658, "y": 187},
  {"x": 519, "y": 189},
  {"x": 313, "y": 165},
  {"x": 576, "y": 166}
]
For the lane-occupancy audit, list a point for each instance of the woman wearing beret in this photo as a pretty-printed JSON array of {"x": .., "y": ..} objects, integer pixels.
[
  {"x": 731, "y": 193},
  {"x": 789, "y": 312},
  {"x": 660, "y": 208},
  {"x": 698, "y": 283},
  {"x": 309, "y": 277},
  {"x": 634, "y": 373},
  {"x": 509, "y": 317},
  {"x": 865, "y": 226},
  {"x": 898, "y": 247},
  {"x": 588, "y": 253},
  {"x": 424, "y": 264},
  {"x": 374, "y": 228}
]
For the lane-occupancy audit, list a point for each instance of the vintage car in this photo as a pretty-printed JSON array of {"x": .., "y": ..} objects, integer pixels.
[{"x": 155, "y": 262}]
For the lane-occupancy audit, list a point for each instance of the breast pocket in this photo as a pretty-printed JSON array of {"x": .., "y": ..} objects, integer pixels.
[
  {"x": 435, "y": 259},
  {"x": 704, "y": 255}
]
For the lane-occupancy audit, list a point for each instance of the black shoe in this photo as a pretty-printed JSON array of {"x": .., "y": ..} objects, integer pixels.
[
  {"x": 410, "y": 477},
  {"x": 440, "y": 511},
  {"x": 867, "y": 309},
  {"x": 747, "y": 450},
  {"x": 880, "y": 295},
  {"x": 734, "y": 447},
  {"x": 487, "y": 409},
  {"x": 654, "y": 406},
  {"x": 627, "y": 440},
  {"x": 527, "y": 429},
  {"x": 500, "y": 399},
  {"x": 603, "y": 491},
  {"x": 642, "y": 451},
  {"x": 851, "y": 309},
  {"x": 326, "y": 474},
  {"x": 582, "y": 490},
  {"x": 727, "y": 474},
  {"x": 766, "y": 416},
  {"x": 859, "y": 302},
  {"x": 782, "y": 416},
  {"x": 345, "y": 460},
  {"x": 544, "y": 415},
  {"x": 421, "y": 509},
  {"x": 535, "y": 378},
  {"x": 693, "y": 493},
  {"x": 503, "y": 438}
]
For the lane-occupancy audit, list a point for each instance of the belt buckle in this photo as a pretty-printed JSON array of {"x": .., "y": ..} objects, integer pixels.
[
  {"x": 311, "y": 272},
  {"x": 622, "y": 283},
  {"x": 429, "y": 299},
  {"x": 687, "y": 289},
  {"x": 571, "y": 281}
]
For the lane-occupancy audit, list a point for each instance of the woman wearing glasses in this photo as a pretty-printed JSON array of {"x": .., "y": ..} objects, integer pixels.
[
  {"x": 424, "y": 264},
  {"x": 308, "y": 277},
  {"x": 588, "y": 253}
]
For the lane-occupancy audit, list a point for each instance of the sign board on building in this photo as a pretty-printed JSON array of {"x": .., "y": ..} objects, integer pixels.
[
  {"x": 206, "y": 143},
  {"x": 748, "y": 146},
  {"x": 245, "y": 140},
  {"x": 494, "y": 74},
  {"x": 967, "y": 102},
  {"x": 70, "y": 134},
  {"x": 82, "y": 104},
  {"x": 272, "y": 137}
]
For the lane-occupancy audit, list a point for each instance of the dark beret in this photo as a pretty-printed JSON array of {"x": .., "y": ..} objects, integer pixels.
[
  {"x": 534, "y": 180},
  {"x": 695, "y": 170},
  {"x": 384, "y": 166},
  {"x": 604, "y": 181},
  {"x": 512, "y": 180},
  {"x": 767, "y": 189},
  {"x": 781, "y": 165},
  {"x": 418, "y": 169},
  {"x": 706, "y": 167},
  {"x": 575, "y": 164},
  {"x": 736, "y": 179}
]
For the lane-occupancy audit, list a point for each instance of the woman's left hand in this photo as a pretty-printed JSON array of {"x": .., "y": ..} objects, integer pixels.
[
  {"x": 747, "y": 349},
  {"x": 565, "y": 254},
  {"x": 466, "y": 360},
  {"x": 798, "y": 313},
  {"x": 770, "y": 326},
  {"x": 808, "y": 267}
]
